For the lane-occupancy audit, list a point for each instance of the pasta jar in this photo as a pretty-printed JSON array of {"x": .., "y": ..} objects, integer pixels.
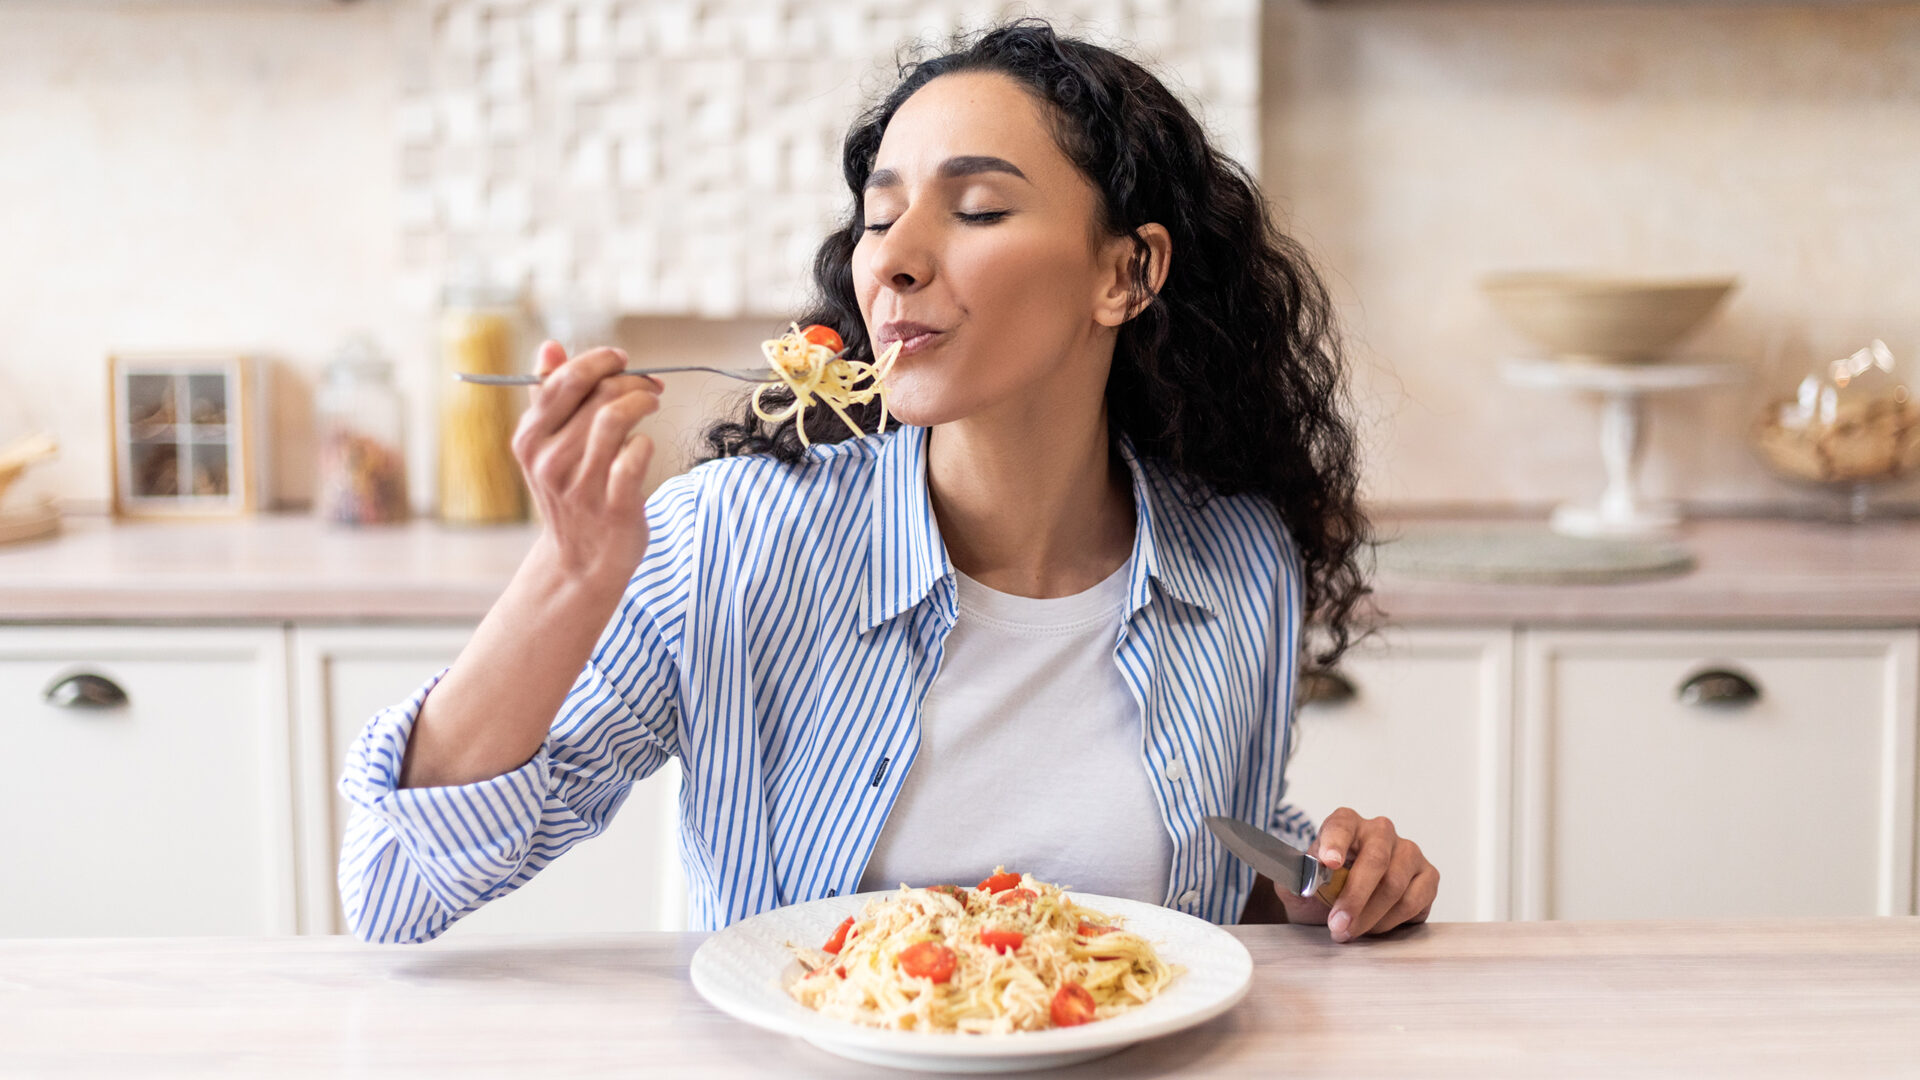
[
  {"x": 360, "y": 423},
  {"x": 479, "y": 480}
]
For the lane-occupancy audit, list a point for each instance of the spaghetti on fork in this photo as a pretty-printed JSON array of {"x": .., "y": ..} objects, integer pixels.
[{"x": 813, "y": 365}]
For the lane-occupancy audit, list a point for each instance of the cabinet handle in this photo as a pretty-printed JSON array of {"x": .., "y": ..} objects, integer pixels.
[
  {"x": 86, "y": 691},
  {"x": 1719, "y": 688},
  {"x": 1325, "y": 686}
]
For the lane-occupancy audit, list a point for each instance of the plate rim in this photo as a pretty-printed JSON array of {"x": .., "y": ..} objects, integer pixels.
[{"x": 950, "y": 1045}]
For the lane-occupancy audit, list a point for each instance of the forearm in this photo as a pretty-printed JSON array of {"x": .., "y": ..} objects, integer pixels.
[{"x": 491, "y": 712}]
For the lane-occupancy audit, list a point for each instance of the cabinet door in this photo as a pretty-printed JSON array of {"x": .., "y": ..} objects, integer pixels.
[
  {"x": 168, "y": 814},
  {"x": 1423, "y": 740},
  {"x": 627, "y": 878},
  {"x": 1643, "y": 797}
]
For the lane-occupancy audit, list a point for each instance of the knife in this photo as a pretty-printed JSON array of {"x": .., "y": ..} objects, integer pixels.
[{"x": 1290, "y": 868}]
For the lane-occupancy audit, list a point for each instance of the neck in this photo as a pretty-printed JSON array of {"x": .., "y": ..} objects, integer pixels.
[{"x": 1034, "y": 504}]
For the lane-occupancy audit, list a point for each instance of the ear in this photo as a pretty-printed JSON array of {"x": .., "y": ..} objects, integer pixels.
[{"x": 1116, "y": 302}]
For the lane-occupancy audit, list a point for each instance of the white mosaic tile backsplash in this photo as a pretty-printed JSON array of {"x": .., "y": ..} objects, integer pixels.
[{"x": 681, "y": 157}]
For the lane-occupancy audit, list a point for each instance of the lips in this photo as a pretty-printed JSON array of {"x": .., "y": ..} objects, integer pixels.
[{"x": 912, "y": 336}]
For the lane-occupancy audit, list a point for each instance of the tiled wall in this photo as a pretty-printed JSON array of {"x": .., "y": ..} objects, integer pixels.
[{"x": 677, "y": 157}]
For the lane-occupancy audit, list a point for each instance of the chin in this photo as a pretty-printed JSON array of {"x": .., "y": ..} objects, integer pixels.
[{"x": 918, "y": 400}]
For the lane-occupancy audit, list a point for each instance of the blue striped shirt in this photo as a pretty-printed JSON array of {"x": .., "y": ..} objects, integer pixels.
[{"x": 778, "y": 639}]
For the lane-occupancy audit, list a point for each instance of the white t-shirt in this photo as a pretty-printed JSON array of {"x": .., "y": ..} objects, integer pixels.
[{"x": 1029, "y": 755}]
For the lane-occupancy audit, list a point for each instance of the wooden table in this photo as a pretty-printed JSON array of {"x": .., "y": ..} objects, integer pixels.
[{"x": 1754, "y": 998}]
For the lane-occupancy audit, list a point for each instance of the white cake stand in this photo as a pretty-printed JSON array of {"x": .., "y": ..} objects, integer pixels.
[{"x": 1623, "y": 389}]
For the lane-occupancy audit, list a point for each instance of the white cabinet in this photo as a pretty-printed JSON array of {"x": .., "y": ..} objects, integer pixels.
[
  {"x": 628, "y": 878},
  {"x": 1422, "y": 740},
  {"x": 1549, "y": 774},
  {"x": 1794, "y": 795},
  {"x": 167, "y": 814}
]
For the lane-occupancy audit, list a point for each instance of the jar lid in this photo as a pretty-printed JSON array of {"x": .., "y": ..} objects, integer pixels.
[
  {"x": 468, "y": 285},
  {"x": 359, "y": 356}
]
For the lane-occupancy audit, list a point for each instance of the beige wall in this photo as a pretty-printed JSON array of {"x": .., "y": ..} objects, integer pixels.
[
  {"x": 1419, "y": 145},
  {"x": 189, "y": 175},
  {"x": 222, "y": 175}
]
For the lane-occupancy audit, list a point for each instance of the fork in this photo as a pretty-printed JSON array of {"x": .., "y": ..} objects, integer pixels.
[{"x": 759, "y": 374}]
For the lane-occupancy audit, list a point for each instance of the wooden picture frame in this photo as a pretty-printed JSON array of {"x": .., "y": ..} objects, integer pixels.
[{"x": 183, "y": 442}]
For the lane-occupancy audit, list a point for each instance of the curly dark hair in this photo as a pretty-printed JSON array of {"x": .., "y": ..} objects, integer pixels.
[{"x": 1232, "y": 373}]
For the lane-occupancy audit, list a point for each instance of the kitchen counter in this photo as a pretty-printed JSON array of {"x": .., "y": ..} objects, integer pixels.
[
  {"x": 1746, "y": 998},
  {"x": 294, "y": 568}
]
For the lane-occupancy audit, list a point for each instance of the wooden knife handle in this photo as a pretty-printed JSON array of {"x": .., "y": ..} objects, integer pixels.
[{"x": 1328, "y": 892}]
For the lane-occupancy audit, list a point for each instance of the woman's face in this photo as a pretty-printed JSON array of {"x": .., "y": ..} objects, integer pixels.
[{"x": 982, "y": 255}]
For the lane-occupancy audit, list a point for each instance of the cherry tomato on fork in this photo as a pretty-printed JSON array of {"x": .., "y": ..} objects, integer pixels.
[{"x": 823, "y": 335}]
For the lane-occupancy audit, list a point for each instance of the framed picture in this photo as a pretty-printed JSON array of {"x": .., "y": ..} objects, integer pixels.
[{"x": 183, "y": 442}]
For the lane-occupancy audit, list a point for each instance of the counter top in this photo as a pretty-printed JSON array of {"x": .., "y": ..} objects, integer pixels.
[
  {"x": 295, "y": 568},
  {"x": 1736, "y": 998}
]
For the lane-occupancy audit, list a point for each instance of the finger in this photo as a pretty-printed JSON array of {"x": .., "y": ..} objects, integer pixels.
[
  {"x": 1303, "y": 910},
  {"x": 567, "y": 387},
  {"x": 558, "y": 454},
  {"x": 628, "y": 474},
  {"x": 1402, "y": 865},
  {"x": 610, "y": 427},
  {"x": 1375, "y": 849},
  {"x": 1416, "y": 904},
  {"x": 1336, "y": 837},
  {"x": 550, "y": 356}
]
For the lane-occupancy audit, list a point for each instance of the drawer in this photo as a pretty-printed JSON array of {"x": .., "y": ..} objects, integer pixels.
[
  {"x": 625, "y": 879},
  {"x": 167, "y": 815},
  {"x": 1646, "y": 797}
]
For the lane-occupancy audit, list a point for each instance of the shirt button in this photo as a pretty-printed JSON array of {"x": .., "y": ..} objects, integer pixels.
[
  {"x": 1175, "y": 771},
  {"x": 1190, "y": 897}
]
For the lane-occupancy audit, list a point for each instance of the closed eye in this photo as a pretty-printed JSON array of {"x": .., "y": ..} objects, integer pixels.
[{"x": 983, "y": 217}]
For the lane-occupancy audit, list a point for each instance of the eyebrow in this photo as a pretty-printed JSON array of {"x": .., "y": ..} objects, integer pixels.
[{"x": 953, "y": 167}]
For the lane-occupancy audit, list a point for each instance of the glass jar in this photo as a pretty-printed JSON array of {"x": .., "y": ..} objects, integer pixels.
[
  {"x": 480, "y": 484},
  {"x": 360, "y": 423},
  {"x": 1850, "y": 424}
]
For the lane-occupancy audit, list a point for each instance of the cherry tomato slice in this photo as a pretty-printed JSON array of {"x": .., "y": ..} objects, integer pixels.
[
  {"x": 839, "y": 937},
  {"x": 1004, "y": 940},
  {"x": 1072, "y": 1005},
  {"x": 1017, "y": 896},
  {"x": 1000, "y": 882},
  {"x": 823, "y": 335},
  {"x": 954, "y": 891},
  {"x": 928, "y": 960},
  {"x": 1088, "y": 929}
]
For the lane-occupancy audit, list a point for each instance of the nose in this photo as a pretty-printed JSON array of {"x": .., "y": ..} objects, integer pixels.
[{"x": 903, "y": 261}]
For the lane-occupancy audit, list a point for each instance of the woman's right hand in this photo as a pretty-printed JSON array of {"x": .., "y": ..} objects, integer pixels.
[{"x": 585, "y": 464}]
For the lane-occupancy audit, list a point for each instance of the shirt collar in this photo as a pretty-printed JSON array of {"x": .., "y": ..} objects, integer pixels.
[{"x": 907, "y": 558}]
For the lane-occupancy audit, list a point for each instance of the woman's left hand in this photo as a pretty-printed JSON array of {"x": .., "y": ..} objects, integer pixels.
[{"x": 1389, "y": 880}]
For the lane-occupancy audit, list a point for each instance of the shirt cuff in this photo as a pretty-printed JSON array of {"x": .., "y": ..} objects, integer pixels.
[
  {"x": 1294, "y": 826},
  {"x": 465, "y": 840}
]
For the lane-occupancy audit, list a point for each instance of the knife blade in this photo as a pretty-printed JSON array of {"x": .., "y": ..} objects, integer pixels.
[{"x": 1290, "y": 868}]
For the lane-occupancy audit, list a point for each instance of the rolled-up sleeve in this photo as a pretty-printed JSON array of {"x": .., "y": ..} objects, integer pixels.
[
  {"x": 1293, "y": 825},
  {"x": 414, "y": 860}
]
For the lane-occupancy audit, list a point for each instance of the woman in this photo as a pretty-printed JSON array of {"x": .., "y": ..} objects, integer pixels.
[{"x": 1051, "y": 622}]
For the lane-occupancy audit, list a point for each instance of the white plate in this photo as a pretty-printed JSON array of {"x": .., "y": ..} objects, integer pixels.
[{"x": 743, "y": 971}]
